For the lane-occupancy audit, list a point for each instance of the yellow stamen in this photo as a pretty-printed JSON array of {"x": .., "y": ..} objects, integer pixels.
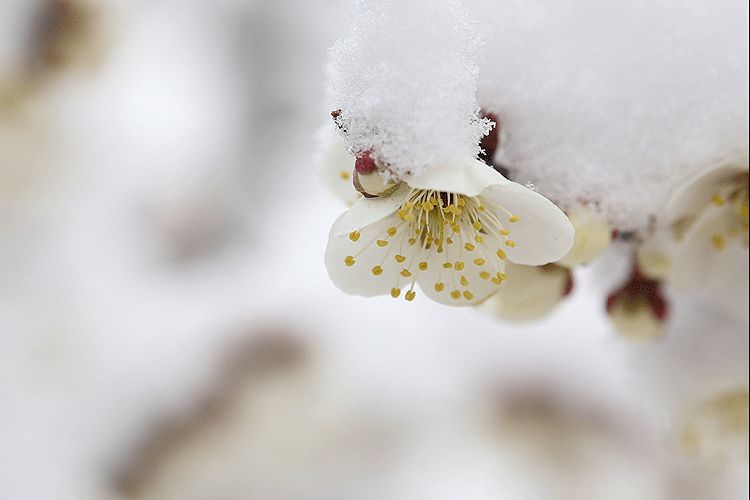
[
  {"x": 377, "y": 270},
  {"x": 410, "y": 295},
  {"x": 422, "y": 266},
  {"x": 395, "y": 292},
  {"x": 354, "y": 235},
  {"x": 399, "y": 258},
  {"x": 479, "y": 262},
  {"x": 514, "y": 218},
  {"x": 405, "y": 273},
  {"x": 349, "y": 260},
  {"x": 719, "y": 242},
  {"x": 439, "y": 286},
  {"x": 455, "y": 295},
  {"x": 391, "y": 231},
  {"x": 468, "y": 295},
  {"x": 382, "y": 243}
]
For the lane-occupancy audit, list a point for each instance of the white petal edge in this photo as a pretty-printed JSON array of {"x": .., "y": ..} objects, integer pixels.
[
  {"x": 695, "y": 259},
  {"x": 366, "y": 211},
  {"x": 336, "y": 166},
  {"x": 542, "y": 235},
  {"x": 469, "y": 177},
  {"x": 358, "y": 279},
  {"x": 693, "y": 195}
]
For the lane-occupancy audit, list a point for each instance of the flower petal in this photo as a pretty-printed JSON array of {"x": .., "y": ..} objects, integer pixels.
[
  {"x": 351, "y": 261},
  {"x": 593, "y": 235},
  {"x": 336, "y": 166},
  {"x": 530, "y": 293},
  {"x": 696, "y": 261},
  {"x": 695, "y": 194},
  {"x": 469, "y": 178},
  {"x": 459, "y": 277},
  {"x": 366, "y": 211},
  {"x": 543, "y": 234}
]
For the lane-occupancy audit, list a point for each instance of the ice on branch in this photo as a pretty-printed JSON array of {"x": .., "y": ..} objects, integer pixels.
[{"x": 404, "y": 84}]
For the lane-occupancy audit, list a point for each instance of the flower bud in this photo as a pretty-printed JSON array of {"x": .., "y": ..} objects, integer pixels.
[
  {"x": 638, "y": 310},
  {"x": 368, "y": 180},
  {"x": 531, "y": 292},
  {"x": 593, "y": 237}
]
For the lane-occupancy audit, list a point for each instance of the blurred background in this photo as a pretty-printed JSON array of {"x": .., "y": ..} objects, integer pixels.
[{"x": 168, "y": 330}]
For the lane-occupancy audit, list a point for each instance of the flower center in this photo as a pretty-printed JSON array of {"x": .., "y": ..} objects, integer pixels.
[
  {"x": 460, "y": 229},
  {"x": 733, "y": 199}
]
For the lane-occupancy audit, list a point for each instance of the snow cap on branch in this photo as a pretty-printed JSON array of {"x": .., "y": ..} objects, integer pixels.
[{"x": 405, "y": 84}]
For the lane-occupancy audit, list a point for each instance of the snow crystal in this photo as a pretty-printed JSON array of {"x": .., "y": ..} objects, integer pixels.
[
  {"x": 405, "y": 83},
  {"x": 614, "y": 103}
]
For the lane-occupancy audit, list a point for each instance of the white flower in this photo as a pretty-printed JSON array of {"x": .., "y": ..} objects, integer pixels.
[
  {"x": 593, "y": 235},
  {"x": 449, "y": 228},
  {"x": 709, "y": 215},
  {"x": 530, "y": 292},
  {"x": 336, "y": 166}
]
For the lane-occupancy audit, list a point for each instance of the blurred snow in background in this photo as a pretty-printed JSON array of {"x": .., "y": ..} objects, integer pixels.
[{"x": 167, "y": 328}]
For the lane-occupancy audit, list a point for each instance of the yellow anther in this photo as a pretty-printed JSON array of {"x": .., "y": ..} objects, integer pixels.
[
  {"x": 717, "y": 200},
  {"x": 354, "y": 235},
  {"x": 439, "y": 286},
  {"x": 377, "y": 270},
  {"x": 412, "y": 241},
  {"x": 468, "y": 295},
  {"x": 391, "y": 231},
  {"x": 427, "y": 206},
  {"x": 448, "y": 265},
  {"x": 501, "y": 254},
  {"x": 459, "y": 265},
  {"x": 382, "y": 243},
  {"x": 477, "y": 225},
  {"x": 422, "y": 266},
  {"x": 510, "y": 243},
  {"x": 395, "y": 292},
  {"x": 502, "y": 276},
  {"x": 345, "y": 175},
  {"x": 469, "y": 247},
  {"x": 478, "y": 238},
  {"x": 405, "y": 273},
  {"x": 485, "y": 275},
  {"x": 449, "y": 241},
  {"x": 399, "y": 258},
  {"x": 719, "y": 242},
  {"x": 482, "y": 208},
  {"x": 410, "y": 295},
  {"x": 505, "y": 232},
  {"x": 349, "y": 260},
  {"x": 456, "y": 228},
  {"x": 461, "y": 201},
  {"x": 464, "y": 281},
  {"x": 455, "y": 295},
  {"x": 497, "y": 281},
  {"x": 514, "y": 218},
  {"x": 479, "y": 262}
]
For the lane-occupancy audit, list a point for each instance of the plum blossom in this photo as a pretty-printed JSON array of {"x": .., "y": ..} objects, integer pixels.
[
  {"x": 449, "y": 228},
  {"x": 530, "y": 292},
  {"x": 709, "y": 216},
  {"x": 593, "y": 235}
]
